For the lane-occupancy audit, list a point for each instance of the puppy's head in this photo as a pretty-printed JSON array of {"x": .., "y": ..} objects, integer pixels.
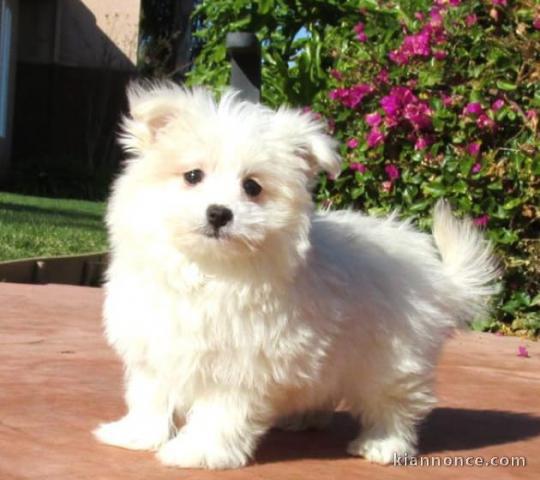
[{"x": 217, "y": 179}]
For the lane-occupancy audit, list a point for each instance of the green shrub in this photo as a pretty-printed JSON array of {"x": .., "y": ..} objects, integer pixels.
[{"x": 429, "y": 99}]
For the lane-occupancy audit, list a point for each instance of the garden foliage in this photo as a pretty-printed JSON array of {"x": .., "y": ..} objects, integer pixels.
[{"x": 429, "y": 99}]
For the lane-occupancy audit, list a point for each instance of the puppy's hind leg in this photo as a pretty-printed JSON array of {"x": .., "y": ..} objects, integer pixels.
[
  {"x": 309, "y": 420},
  {"x": 389, "y": 417},
  {"x": 148, "y": 422}
]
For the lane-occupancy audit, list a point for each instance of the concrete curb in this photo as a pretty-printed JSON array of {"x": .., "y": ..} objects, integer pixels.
[{"x": 84, "y": 270}]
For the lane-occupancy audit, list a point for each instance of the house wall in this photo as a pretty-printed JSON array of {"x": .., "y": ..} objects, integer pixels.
[
  {"x": 74, "y": 62},
  {"x": 99, "y": 33},
  {"x": 8, "y": 49},
  {"x": 80, "y": 33}
]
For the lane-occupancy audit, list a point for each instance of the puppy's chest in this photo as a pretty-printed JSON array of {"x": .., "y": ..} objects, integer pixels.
[
  {"x": 235, "y": 335},
  {"x": 232, "y": 315}
]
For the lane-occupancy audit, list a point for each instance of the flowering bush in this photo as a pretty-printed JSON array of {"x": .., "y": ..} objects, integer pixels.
[{"x": 430, "y": 99}]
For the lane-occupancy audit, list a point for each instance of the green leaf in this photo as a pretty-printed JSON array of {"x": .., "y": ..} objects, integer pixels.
[
  {"x": 507, "y": 86},
  {"x": 265, "y": 6},
  {"x": 511, "y": 204},
  {"x": 420, "y": 206},
  {"x": 434, "y": 188},
  {"x": 357, "y": 192}
]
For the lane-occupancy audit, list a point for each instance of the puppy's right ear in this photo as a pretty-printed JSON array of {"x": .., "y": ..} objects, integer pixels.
[{"x": 151, "y": 108}]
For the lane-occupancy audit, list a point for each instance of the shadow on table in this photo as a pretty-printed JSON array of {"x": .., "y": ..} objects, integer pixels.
[
  {"x": 463, "y": 429},
  {"x": 445, "y": 429}
]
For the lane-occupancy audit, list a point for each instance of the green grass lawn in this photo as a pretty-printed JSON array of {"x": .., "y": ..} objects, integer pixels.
[{"x": 35, "y": 227}]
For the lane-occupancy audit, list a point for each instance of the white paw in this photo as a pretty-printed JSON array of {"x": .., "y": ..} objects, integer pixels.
[
  {"x": 134, "y": 433},
  {"x": 381, "y": 450},
  {"x": 187, "y": 452}
]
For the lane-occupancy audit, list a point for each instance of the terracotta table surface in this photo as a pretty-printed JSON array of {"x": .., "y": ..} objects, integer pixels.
[{"x": 59, "y": 379}]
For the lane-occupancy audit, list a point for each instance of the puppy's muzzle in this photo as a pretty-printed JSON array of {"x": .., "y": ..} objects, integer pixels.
[{"x": 218, "y": 216}]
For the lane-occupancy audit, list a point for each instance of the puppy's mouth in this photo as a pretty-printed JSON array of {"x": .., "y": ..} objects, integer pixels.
[
  {"x": 226, "y": 237},
  {"x": 215, "y": 233}
]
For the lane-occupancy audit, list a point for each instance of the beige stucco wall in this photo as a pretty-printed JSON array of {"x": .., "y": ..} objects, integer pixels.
[
  {"x": 87, "y": 33},
  {"x": 99, "y": 33}
]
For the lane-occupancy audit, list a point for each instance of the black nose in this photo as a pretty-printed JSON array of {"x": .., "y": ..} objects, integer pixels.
[{"x": 218, "y": 215}]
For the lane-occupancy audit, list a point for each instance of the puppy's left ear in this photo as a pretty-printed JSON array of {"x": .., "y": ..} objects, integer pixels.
[{"x": 309, "y": 139}]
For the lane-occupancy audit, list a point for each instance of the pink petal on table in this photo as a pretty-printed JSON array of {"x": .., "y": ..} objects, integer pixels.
[{"x": 523, "y": 352}]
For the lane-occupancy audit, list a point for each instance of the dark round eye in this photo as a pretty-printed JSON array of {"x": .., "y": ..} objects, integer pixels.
[
  {"x": 251, "y": 187},
  {"x": 194, "y": 176}
]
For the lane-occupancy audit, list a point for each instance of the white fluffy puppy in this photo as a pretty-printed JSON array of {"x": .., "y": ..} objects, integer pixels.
[{"x": 232, "y": 303}]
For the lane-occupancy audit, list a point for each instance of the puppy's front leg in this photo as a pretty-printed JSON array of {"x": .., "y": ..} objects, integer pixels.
[
  {"x": 221, "y": 432},
  {"x": 147, "y": 424}
]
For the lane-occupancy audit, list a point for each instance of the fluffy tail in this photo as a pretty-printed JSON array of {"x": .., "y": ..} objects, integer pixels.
[{"x": 468, "y": 260}]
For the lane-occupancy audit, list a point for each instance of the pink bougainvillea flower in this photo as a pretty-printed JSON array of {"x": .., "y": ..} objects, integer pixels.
[
  {"x": 398, "y": 97},
  {"x": 398, "y": 57},
  {"x": 536, "y": 22},
  {"x": 374, "y": 138},
  {"x": 523, "y": 352},
  {"x": 476, "y": 167},
  {"x": 404, "y": 94},
  {"x": 419, "y": 16},
  {"x": 360, "y": 34},
  {"x": 501, "y": 3},
  {"x": 392, "y": 171},
  {"x": 440, "y": 54},
  {"x": 532, "y": 119},
  {"x": 497, "y": 105},
  {"x": 483, "y": 121},
  {"x": 352, "y": 143},
  {"x": 418, "y": 44},
  {"x": 336, "y": 94},
  {"x": 387, "y": 185},
  {"x": 419, "y": 115},
  {"x": 473, "y": 108},
  {"x": 531, "y": 115},
  {"x": 336, "y": 74},
  {"x": 422, "y": 142},
  {"x": 471, "y": 20},
  {"x": 391, "y": 122},
  {"x": 447, "y": 100},
  {"x": 391, "y": 104},
  {"x": 373, "y": 119},
  {"x": 482, "y": 220},
  {"x": 358, "y": 167},
  {"x": 435, "y": 17},
  {"x": 444, "y": 3},
  {"x": 400, "y": 104},
  {"x": 383, "y": 76},
  {"x": 357, "y": 94},
  {"x": 351, "y": 97},
  {"x": 473, "y": 149},
  {"x": 362, "y": 37}
]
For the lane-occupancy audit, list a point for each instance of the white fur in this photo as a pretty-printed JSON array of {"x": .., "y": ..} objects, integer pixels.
[{"x": 289, "y": 311}]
